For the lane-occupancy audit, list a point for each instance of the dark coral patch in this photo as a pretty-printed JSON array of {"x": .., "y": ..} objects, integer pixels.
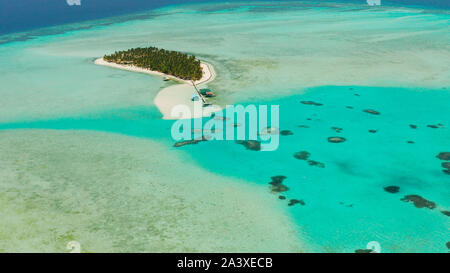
[
  {"x": 286, "y": 133},
  {"x": 253, "y": 145},
  {"x": 410, "y": 142},
  {"x": 419, "y": 201},
  {"x": 370, "y": 111},
  {"x": 337, "y": 129},
  {"x": 392, "y": 189},
  {"x": 445, "y": 212},
  {"x": 295, "y": 201},
  {"x": 189, "y": 142},
  {"x": 311, "y": 103},
  {"x": 303, "y": 155},
  {"x": 444, "y": 156},
  {"x": 277, "y": 184},
  {"x": 446, "y": 165},
  {"x": 448, "y": 245},
  {"x": 363, "y": 251},
  {"x": 303, "y": 126},
  {"x": 316, "y": 163},
  {"x": 413, "y": 126},
  {"x": 336, "y": 139},
  {"x": 373, "y": 131},
  {"x": 349, "y": 107},
  {"x": 433, "y": 126},
  {"x": 282, "y": 197}
]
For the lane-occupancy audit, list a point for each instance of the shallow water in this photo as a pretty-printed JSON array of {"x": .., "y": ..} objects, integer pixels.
[{"x": 395, "y": 59}]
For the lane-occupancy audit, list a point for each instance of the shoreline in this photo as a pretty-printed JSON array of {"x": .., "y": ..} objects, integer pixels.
[{"x": 179, "y": 94}]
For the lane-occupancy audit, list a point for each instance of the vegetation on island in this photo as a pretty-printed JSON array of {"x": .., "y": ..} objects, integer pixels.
[{"x": 172, "y": 63}]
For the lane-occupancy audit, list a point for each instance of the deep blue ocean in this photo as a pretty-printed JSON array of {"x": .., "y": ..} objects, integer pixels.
[{"x": 21, "y": 15}]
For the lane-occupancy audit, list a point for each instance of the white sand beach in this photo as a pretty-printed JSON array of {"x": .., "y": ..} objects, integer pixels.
[{"x": 175, "y": 95}]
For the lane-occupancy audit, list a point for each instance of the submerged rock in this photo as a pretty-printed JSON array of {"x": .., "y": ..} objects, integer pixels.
[
  {"x": 311, "y": 103},
  {"x": 316, "y": 163},
  {"x": 446, "y": 171},
  {"x": 277, "y": 184},
  {"x": 295, "y": 201},
  {"x": 448, "y": 245},
  {"x": 446, "y": 165},
  {"x": 370, "y": 111},
  {"x": 253, "y": 145},
  {"x": 444, "y": 156},
  {"x": 413, "y": 126},
  {"x": 282, "y": 197},
  {"x": 303, "y": 155},
  {"x": 419, "y": 201},
  {"x": 392, "y": 189},
  {"x": 286, "y": 133},
  {"x": 336, "y": 139}
]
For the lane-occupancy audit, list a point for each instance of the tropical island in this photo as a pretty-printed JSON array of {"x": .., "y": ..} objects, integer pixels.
[{"x": 173, "y": 63}]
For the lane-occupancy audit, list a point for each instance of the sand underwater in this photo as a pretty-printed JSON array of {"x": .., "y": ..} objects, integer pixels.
[{"x": 86, "y": 157}]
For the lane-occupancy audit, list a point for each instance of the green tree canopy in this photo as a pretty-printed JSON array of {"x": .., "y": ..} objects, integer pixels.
[{"x": 173, "y": 63}]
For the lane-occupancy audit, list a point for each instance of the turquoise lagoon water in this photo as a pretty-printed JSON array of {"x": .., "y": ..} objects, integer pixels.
[{"x": 276, "y": 54}]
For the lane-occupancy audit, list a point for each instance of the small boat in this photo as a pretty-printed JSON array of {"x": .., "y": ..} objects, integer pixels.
[
  {"x": 207, "y": 92},
  {"x": 166, "y": 79},
  {"x": 195, "y": 98}
]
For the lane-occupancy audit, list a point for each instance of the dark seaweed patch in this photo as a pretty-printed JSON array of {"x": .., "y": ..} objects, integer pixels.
[
  {"x": 444, "y": 156},
  {"x": 312, "y": 103},
  {"x": 303, "y": 155},
  {"x": 295, "y": 201},
  {"x": 253, "y": 145},
  {"x": 286, "y": 133},
  {"x": 370, "y": 111}
]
